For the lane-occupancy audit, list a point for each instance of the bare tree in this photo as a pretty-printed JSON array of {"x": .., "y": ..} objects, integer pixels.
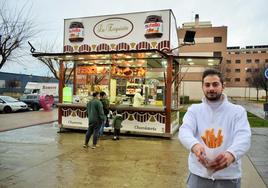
[
  {"x": 16, "y": 28},
  {"x": 258, "y": 79},
  {"x": 54, "y": 65},
  {"x": 46, "y": 78}
]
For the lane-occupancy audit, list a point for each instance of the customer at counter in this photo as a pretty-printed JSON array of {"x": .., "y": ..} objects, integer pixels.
[
  {"x": 117, "y": 124},
  {"x": 105, "y": 104},
  {"x": 138, "y": 98},
  {"x": 95, "y": 118}
]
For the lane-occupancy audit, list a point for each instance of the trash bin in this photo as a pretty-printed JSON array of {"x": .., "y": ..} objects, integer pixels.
[{"x": 265, "y": 108}]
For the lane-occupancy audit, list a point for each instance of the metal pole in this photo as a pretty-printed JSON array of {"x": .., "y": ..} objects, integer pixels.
[{"x": 168, "y": 94}]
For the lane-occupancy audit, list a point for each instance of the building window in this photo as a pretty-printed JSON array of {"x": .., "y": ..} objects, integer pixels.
[
  {"x": 217, "y": 39},
  {"x": 228, "y": 79},
  {"x": 13, "y": 84},
  {"x": 236, "y": 52},
  {"x": 248, "y": 79},
  {"x": 248, "y": 61},
  {"x": 2, "y": 84},
  {"x": 229, "y": 61},
  {"x": 217, "y": 54},
  {"x": 247, "y": 52},
  {"x": 228, "y": 70},
  {"x": 237, "y": 70},
  {"x": 248, "y": 70},
  {"x": 257, "y": 61},
  {"x": 255, "y": 52},
  {"x": 266, "y": 60},
  {"x": 263, "y": 52},
  {"x": 237, "y": 61},
  {"x": 237, "y": 79},
  {"x": 257, "y": 70}
]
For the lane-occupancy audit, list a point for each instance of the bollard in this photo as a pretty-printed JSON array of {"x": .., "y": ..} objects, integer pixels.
[{"x": 265, "y": 108}]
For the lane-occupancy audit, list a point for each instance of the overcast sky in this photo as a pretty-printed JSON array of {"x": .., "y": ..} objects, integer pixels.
[{"x": 246, "y": 20}]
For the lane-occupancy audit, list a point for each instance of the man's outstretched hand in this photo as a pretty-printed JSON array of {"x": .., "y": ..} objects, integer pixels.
[
  {"x": 199, "y": 152},
  {"x": 223, "y": 160}
]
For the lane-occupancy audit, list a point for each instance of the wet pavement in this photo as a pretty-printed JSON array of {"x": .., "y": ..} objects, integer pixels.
[
  {"x": 38, "y": 156},
  {"x": 258, "y": 153},
  {"x": 26, "y": 119}
]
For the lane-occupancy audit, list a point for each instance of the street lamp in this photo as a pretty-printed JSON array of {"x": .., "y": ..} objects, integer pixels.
[
  {"x": 187, "y": 40},
  {"x": 245, "y": 82},
  {"x": 32, "y": 48}
]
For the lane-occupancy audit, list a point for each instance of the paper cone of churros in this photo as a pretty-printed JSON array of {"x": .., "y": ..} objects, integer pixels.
[{"x": 213, "y": 143}]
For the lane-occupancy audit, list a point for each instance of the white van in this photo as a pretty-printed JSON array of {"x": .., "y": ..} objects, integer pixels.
[{"x": 42, "y": 88}]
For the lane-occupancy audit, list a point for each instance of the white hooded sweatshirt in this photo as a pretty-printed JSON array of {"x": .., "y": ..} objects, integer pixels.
[
  {"x": 232, "y": 119},
  {"x": 137, "y": 99}
]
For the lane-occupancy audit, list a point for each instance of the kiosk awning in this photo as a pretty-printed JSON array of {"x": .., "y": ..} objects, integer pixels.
[{"x": 112, "y": 55}]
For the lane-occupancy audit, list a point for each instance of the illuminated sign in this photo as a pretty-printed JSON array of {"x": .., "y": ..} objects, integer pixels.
[{"x": 113, "y": 28}]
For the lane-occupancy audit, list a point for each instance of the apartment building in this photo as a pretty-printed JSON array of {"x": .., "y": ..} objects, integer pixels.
[
  {"x": 241, "y": 62},
  {"x": 237, "y": 63}
]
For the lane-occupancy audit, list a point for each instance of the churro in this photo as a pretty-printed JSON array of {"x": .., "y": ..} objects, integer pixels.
[{"x": 211, "y": 140}]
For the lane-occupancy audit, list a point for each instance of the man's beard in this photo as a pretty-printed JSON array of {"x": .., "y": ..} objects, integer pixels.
[{"x": 213, "y": 96}]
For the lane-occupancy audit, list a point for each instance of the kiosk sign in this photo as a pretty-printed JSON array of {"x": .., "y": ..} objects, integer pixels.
[
  {"x": 266, "y": 73},
  {"x": 121, "y": 32},
  {"x": 113, "y": 28}
]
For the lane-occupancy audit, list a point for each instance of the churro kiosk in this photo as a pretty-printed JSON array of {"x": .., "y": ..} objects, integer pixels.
[{"x": 119, "y": 54}]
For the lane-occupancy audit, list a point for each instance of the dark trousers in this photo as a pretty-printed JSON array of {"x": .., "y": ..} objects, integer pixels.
[
  {"x": 195, "y": 181},
  {"x": 92, "y": 128},
  {"x": 117, "y": 133}
]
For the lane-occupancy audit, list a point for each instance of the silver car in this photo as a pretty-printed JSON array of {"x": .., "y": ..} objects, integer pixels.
[{"x": 9, "y": 104}]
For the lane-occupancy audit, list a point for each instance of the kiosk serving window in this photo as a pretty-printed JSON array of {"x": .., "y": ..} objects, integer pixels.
[
  {"x": 91, "y": 77},
  {"x": 155, "y": 82},
  {"x": 121, "y": 76}
]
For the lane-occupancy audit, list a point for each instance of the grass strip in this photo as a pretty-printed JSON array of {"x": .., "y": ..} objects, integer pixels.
[{"x": 254, "y": 121}]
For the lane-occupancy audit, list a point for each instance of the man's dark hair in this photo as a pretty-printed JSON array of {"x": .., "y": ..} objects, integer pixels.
[
  {"x": 212, "y": 72},
  {"x": 95, "y": 94},
  {"x": 102, "y": 93}
]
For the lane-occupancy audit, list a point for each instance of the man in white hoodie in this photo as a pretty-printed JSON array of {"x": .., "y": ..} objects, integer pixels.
[{"x": 215, "y": 113}]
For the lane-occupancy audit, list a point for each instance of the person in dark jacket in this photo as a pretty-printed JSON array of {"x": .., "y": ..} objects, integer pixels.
[
  {"x": 95, "y": 118},
  {"x": 117, "y": 124},
  {"x": 106, "y": 105}
]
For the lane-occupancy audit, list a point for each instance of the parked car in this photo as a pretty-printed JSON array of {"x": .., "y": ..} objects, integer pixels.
[
  {"x": 33, "y": 101},
  {"x": 10, "y": 104}
]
